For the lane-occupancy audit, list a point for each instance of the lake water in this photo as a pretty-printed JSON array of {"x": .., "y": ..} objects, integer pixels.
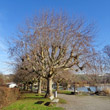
[{"x": 93, "y": 88}]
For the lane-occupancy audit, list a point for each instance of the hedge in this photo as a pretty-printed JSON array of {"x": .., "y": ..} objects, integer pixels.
[{"x": 8, "y": 95}]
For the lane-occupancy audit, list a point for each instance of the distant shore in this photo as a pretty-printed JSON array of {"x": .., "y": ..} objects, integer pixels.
[{"x": 84, "y": 85}]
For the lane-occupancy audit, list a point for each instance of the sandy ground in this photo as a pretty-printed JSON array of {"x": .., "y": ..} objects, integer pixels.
[{"x": 85, "y": 102}]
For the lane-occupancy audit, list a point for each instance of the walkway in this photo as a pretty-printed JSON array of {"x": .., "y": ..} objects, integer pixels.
[{"x": 85, "y": 102}]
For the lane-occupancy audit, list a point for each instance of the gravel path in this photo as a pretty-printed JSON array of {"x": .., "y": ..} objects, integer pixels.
[{"x": 85, "y": 102}]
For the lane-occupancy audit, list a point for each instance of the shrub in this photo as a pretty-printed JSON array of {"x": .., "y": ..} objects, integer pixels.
[
  {"x": 8, "y": 95},
  {"x": 1, "y": 79},
  {"x": 106, "y": 90}
]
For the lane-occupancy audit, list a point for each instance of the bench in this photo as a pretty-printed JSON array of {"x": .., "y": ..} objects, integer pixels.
[
  {"x": 51, "y": 98},
  {"x": 55, "y": 101}
]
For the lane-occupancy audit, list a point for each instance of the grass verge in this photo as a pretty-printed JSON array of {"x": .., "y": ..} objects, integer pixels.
[
  {"x": 62, "y": 101},
  {"x": 64, "y": 92},
  {"x": 31, "y": 101}
]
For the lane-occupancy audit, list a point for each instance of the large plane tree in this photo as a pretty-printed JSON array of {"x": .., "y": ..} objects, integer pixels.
[{"x": 51, "y": 42}]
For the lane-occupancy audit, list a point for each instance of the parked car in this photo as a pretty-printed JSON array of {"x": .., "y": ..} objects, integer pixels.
[{"x": 12, "y": 85}]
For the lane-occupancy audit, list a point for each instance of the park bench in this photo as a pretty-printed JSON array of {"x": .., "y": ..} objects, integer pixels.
[
  {"x": 54, "y": 100},
  {"x": 51, "y": 98}
]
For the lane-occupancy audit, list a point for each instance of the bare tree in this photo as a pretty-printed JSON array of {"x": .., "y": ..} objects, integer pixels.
[
  {"x": 63, "y": 77},
  {"x": 96, "y": 70},
  {"x": 107, "y": 50},
  {"x": 51, "y": 42},
  {"x": 25, "y": 77},
  {"x": 30, "y": 67}
]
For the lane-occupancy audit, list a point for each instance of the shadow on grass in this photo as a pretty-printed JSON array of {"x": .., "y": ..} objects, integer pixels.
[
  {"x": 39, "y": 95},
  {"x": 29, "y": 98},
  {"x": 66, "y": 93},
  {"x": 47, "y": 103},
  {"x": 39, "y": 102}
]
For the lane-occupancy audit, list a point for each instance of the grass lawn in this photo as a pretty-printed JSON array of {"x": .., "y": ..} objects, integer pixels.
[
  {"x": 64, "y": 92},
  {"x": 30, "y": 101},
  {"x": 61, "y": 91}
]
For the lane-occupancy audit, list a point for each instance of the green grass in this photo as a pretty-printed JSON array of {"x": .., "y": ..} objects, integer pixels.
[
  {"x": 62, "y": 101},
  {"x": 63, "y": 92},
  {"x": 28, "y": 102}
]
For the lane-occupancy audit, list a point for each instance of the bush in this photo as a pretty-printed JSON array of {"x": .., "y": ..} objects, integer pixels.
[
  {"x": 106, "y": 91},
  {"x": 1, "y": 79},
  {"x": 8, "y": 95}
]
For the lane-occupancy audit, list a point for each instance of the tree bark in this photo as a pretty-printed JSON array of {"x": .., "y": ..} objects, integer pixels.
[
  {"x": 39, "y": 85},
  {"x": 49, "y": 88},
  {"x": 57, "y": 86}
]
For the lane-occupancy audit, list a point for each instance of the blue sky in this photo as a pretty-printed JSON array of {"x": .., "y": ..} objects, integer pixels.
[{"x": 14, "y": 12}]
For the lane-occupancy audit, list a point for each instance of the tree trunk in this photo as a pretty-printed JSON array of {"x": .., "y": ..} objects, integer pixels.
[
  {"x": 96, "y": 88},
  {"x": 74, "y": 88},
  {"x": 32, "y": 87},
  {"x": 24, "y": 88},
  {"x": 39, "y": 85},
  {"x": 67, "y": 86},
  {"x": 27, "y": 87},
  {"x": 57, "y": 86},
  {"x": 49, "y": 88}
]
